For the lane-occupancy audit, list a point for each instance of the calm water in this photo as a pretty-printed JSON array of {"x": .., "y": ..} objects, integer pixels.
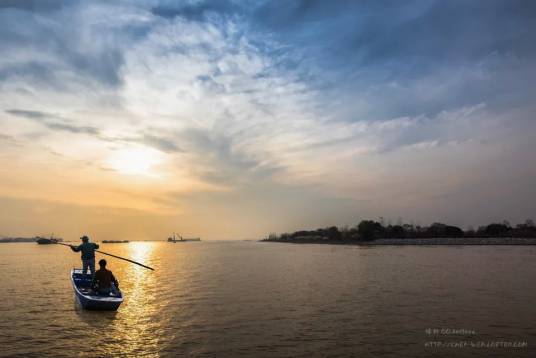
[{"x": 253, "y": 299}]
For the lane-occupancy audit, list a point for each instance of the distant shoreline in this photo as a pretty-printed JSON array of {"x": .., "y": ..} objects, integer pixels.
[
  {"x": 485, "y": 241},
  {"x": 35, "y": 239},
  {"x": 9, "y": 240}
]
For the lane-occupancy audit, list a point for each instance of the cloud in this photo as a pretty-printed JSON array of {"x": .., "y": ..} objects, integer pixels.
[
  {"x": 194, "y": 10},
  {"x": 9, "y": 140},
  {"x": 378, "y": 60},
  {"x": 72, "y": 128},
  {"x": 219, "y": 158},
  {"x": 65, "y": 45},
  {"x": 32, "y": 5},
  {"x": 161, "y": 143},
  {"x": 402, "y": 34},
  {"x": 54, "y": 122},
  {"x": 36, "y": 115}
]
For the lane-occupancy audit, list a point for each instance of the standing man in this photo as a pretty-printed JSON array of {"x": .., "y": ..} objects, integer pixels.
[{"x": 88, "y": 254}]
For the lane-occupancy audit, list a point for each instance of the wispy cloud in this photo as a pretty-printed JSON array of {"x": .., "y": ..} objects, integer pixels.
[
  {"x": 161, "y": 143},
  {"x": 36, "y": 115},
  {"x": 54, "y": 122}
]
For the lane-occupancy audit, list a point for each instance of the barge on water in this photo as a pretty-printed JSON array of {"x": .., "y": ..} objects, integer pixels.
[{"x": 181, "y": 239}]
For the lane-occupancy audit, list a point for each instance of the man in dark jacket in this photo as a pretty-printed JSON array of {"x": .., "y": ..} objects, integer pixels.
[
  {"x": 103, "y": 279},
  {"x": 88, "y": 254}
]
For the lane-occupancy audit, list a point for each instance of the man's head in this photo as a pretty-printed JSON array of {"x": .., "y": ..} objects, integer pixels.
[
  {"x": 102, "y": 263},
  {"x": 84, "y": 238}
]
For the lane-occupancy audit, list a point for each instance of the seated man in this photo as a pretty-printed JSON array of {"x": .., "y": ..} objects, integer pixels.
[{"x": 102, "y": 282}]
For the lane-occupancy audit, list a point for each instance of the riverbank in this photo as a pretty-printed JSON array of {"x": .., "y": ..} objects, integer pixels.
[
  {"x": 418, "y": 242},
  {"x": 370, "y": 232}
]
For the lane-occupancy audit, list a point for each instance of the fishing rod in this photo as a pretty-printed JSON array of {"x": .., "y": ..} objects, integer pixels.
[{"x": 117, "y": 257}]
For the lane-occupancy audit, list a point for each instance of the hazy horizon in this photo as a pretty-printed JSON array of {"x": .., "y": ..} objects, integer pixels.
[{"x": 235, "y": 119}]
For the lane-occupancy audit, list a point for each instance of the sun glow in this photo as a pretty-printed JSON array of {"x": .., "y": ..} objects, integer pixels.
[{"x": 135, "y": 161}]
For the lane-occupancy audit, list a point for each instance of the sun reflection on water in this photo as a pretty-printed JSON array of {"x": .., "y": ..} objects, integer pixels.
[
  {"x": 135, "y": 324},
  {"x": 141, "y": 252}
]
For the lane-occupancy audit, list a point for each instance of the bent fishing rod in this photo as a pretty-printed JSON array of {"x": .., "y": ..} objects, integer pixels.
[{"x": 117, "y": 257}]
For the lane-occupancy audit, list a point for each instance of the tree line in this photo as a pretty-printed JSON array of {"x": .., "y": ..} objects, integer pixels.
[{"x": 368, "y": 230}]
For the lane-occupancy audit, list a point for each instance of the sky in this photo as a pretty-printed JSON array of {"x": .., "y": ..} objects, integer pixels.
[{"x": 236, "y": 119}]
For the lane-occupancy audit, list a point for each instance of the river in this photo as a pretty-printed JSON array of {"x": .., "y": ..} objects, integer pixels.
[{"x": 232, "y": 298}]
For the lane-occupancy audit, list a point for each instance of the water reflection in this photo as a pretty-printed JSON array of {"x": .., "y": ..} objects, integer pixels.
[
  {"x": 96, "y": 319},
  {"x": 136, "y": 323},
  {"x": 141, "y": 251}
]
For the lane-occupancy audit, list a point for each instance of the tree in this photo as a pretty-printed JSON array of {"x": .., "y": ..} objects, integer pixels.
[
  {"x": 333, "y": 233},
  {"x": 496, "y": 230},
  {"x": 453, "y": 231},
  {"x": 369, "y": 230},
  {"x": 395, "y": 231}
]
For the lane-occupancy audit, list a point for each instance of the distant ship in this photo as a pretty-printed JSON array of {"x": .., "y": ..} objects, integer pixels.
[
  {"x": 44, "y": 241},
  {"x": 181, "y": 239}
]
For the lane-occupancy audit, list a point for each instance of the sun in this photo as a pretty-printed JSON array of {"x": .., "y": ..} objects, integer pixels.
[{"x": 135, "y": 161}]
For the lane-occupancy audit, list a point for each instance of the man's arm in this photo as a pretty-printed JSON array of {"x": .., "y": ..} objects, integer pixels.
[
  {"x": 76, "y": 248},
  {"x": 96, "y": 246}
]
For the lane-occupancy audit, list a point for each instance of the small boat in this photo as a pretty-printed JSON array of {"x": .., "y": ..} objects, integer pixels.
[{"x": 89, "y": 299}]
